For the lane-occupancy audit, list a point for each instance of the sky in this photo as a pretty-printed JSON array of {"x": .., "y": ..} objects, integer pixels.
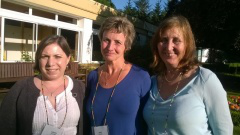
[{"x": 120, "y": 4}]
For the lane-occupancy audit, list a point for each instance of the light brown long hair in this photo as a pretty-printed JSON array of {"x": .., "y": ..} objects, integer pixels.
[{"x": 189, "y": 59}]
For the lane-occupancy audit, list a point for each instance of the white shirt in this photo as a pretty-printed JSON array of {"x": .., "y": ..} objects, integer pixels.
[{"x": 55, "y": 117}]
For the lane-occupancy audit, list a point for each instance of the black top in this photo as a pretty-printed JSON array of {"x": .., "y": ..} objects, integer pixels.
[{"x": 18, "y": 106}]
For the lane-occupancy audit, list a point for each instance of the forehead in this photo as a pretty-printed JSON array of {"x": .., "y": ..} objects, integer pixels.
[
  {"x": 53, "y": 47},
  {"x": 114, "y": 33},
  {"x": 171, "y": 32}
]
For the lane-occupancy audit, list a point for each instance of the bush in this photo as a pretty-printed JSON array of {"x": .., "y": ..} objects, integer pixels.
[{"x": 235, "y": 117}]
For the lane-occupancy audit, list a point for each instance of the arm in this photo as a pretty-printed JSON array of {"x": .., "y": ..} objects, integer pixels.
[
  {"x": 8, "y": 111},
  {"x": 80, "y": 88},
  {"x": 217, "y": 109},
  {"x": 146, "y": 84},
  {"x": 86, "y": 120}
]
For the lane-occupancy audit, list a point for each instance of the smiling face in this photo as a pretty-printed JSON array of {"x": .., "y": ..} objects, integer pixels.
[
  {"x": 53, "y": 62},
  {"x": 113, "y": 46},
  {"x": 171, "y": 47}
]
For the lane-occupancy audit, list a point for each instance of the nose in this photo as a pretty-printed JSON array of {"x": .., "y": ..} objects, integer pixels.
[
  {"x": 110, "y": 45},
  {"x": 50, "y": 61},
  {"x": 169, "y": 45}
]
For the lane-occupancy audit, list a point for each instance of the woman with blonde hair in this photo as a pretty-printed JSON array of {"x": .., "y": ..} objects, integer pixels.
[{"x": 118, "y": 90}]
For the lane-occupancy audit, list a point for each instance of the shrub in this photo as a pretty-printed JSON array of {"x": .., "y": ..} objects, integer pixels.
[{"x": 235, "y": 117}]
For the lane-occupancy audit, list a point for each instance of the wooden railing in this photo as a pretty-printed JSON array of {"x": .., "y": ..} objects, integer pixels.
[{"x": 12, "y": 72}]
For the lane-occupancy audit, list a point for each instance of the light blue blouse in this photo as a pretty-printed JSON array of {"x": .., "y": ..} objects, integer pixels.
[{"x": 199, "y": 108}]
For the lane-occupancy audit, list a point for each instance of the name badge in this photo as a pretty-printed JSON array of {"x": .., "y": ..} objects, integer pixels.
[
  {"x": 100, "y": 130},
  {"x": 50, "y": 130}
]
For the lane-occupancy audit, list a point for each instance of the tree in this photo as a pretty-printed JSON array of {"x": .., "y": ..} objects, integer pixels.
[
  {"x": 107, "y": 3},
  {"x": 171, "y": 7},
  {"x": 142, "y": 9},
  {"x": 129, "y": 10},
  {"x": 156, "y": 14}
]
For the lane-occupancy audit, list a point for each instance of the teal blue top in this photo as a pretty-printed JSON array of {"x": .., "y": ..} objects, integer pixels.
[{"x": 199, "y": 108}]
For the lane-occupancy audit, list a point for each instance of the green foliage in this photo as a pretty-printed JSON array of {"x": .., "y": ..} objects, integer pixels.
[
  {"x": 236, "y": 130},
  {"x": 235, "y": 117},
  {"x": 130, "y": 10},
  {"x": 157, "y": 14},
  {"x": 142, "y": 9},
  {"x": 25, "y": 56},
  {"x": 107, "y": 3}
]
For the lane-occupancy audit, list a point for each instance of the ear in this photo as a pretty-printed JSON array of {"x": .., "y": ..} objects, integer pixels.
[{"x": 68, "y": 59}]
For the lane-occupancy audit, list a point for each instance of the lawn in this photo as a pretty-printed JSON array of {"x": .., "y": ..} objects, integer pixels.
[{"x": 236, "y": 130}]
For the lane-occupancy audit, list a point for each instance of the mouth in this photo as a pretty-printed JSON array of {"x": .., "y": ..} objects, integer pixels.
[
  {"x": 169, "y": 54},
  {"x": 107, "y": 53},
  {"x": 51, "y": 70}
]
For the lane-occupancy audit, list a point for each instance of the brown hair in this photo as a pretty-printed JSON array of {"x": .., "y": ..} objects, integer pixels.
[
  {"x": 189, "y": 59},
  {"x": 120, "y": 25},
  {"x": 60, "y": 40}
]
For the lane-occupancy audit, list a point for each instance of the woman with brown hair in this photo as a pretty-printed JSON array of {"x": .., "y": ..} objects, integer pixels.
[
  {"x": 185, "y": 98},
  {"x": 50, "y": 103}
]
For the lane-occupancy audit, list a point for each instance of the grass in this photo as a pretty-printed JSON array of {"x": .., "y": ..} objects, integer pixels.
[{"x": 236, "y": 130}]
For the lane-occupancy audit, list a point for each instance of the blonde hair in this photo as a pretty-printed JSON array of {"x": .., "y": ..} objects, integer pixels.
[{"x": 120, "y": 25}]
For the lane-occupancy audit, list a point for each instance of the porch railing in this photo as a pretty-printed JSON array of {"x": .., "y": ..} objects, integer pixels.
[{"x": 12, "y": 72}]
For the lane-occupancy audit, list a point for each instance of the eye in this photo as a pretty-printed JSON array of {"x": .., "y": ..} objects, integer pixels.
[
  {"x": 106, "y": 40},
  {"x": 176, "y": 41},
  {"x": 58, "y": 56},
  {"x": 44, "y": 57},
  {"x": 118, "y": 42},
  {"x": 163, "y": 40}
]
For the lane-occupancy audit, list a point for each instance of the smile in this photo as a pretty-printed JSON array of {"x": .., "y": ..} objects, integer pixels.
[
  {"x": 169, "y": 54},
  {"x": 51, "y": 70}
]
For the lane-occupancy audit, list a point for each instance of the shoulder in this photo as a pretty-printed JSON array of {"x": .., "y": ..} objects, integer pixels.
[
  {"x": 138, "y": 71},
  {"x": 93, "y": 73},
  {"x": 22, "y": 87},
  {"x": 78, "y": 84},
  {"x": 26, "y": 82},
  {"x": 205, "y": 74}
]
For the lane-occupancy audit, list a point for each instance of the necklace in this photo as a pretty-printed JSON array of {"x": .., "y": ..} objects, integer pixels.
[
  {"x": 65, "y": 102},
  {"x": 110, "y": 99},
  {"x": 169, "y": 81},
  {"x": 169, "y": 108},
  {"x": 51, "y": 93}
]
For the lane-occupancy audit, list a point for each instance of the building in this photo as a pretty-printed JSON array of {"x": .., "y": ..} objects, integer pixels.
[{"x": 25, "y": 22}]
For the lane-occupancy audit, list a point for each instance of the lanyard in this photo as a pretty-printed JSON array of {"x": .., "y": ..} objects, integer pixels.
[
  {"x": 110, "y": 99},
  {"x": 46, "y": 106},
  {"x": 169, "y": 108}
]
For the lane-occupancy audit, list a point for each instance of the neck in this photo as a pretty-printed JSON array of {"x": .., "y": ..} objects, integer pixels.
[
  {"x": 113, "y": 67},
  {"x": 55, "y": 81}
]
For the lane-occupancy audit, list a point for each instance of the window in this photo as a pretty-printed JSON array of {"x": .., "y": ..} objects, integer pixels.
[
  {"x": 18, "y": 41},
  {"x": 72, "y": 39},
  {"x": 14, "y": 7},
  {"x": 96, "y": 53}
]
